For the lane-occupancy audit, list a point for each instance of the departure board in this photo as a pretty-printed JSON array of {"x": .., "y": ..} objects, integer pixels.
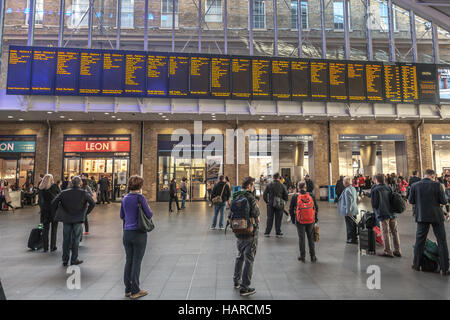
[
  {"x": 409, "y": 83},
  {"x": 338, "y": 83},
  {"x": 43, "y": 66},
  {"x": 19, "y": 70},
  {"x": 261, "y": 79},
  {"x": 135, "y": 65},
  {"x": 392, "y": 84},
  {"x": 281, "y": 74},
  {"x": 220, "y": 77},
  {"x": 300, "y": 80},
  {"x": 427, "y": 82},
  {"x": 241, "y": 77},
  {"x": 67, "y": 71},
  {"x": 199, "y": 76},
  {"x": 90, "y": 72},
  {"x": 179, "y": 76},
  {"x": 319, "y": 80},
  {"x": 374, "y": 82},
  {"x": 112, "y": 77},
  {"x": 355, "y": 82},
  {"x": 157, "y": 75}
]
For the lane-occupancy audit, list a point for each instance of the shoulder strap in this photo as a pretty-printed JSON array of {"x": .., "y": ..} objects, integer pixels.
[{"x": 223, "y": 190}]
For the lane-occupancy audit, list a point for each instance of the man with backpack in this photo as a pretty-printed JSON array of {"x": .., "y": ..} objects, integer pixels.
[
  {"x": 244, "y": 221},
  {"x": 303, "y": 211},
  {"x": 275, "y": 195},
  {"x": 220, "y": 195}
]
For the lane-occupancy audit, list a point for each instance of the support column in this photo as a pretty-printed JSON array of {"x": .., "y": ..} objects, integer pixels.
[
  {"x": 225, "y": 26},
  {"x": 250, "y": 26},
  {"x": 2, "y": 26},
  {"x": 435, "y": 43},
  {"x": 346, "y": 30},
  {"x": 369, "y": 32},
  {"x": 173, "y": 25},
  {"x": 322, "y": 25},
  {"x": 275, "y": 29},
  {"x": 146, "y": 25},
  {"x": 299, "y": 28},
  {"x": 31, "y": 20},
  {"x": 412, "y": 26},
  {"x": 118, "y": 23},
  {"x": 199, "y": 26},
  {"x": 391, "y": 31},
  {"x": 62, "y": 8},
  {"x": 90, "y": 23}
]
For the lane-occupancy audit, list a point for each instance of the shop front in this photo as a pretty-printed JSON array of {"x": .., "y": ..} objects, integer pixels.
[
  {"x": 441, "y": 153},
  {"x": 97, "y": 156}
]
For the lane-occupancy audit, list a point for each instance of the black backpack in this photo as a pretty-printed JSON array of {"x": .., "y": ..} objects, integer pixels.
[
  {"x": 239, "y": 218},
  {"x": 398, "y": 204}
]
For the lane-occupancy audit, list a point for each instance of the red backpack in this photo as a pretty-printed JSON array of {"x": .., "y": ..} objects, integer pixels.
[{"x": 306, "y": 213}]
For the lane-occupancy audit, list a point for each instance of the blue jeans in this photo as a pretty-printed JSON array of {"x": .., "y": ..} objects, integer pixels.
[
  {"x": 217, "y": 208},
  {"x": 71, "y": 241},
  {"x": 183, "y": 198}
]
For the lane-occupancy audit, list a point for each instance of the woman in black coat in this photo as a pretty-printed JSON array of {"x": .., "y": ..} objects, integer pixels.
[{"x": 48, "y": 190}]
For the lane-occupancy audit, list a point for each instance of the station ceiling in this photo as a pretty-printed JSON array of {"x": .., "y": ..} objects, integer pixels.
[{"x": 433, "y": 10}]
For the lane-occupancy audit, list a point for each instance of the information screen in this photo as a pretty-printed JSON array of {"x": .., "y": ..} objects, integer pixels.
[
  {"x": 90, "y": 72},
  {"x": 261, "y": 78},
  {"x": 179, "y": 76},
  {"x": 157, "y": 75},
  {"x": 338, "y": 83},
  {"x": 241, "y": 77},
  {"x": 19, "y": 70},
  {"x": 199, "y": 76},
  {"x": 356, "y": 81},
  {"x": 374, "y": 82},
  {"x": 281, "y": 74},
  {"x": 409, "y": 83},
  {"x": 220, "y": 77},
  {"x": 135, "y": 64},
  {"x": 319, "y": 80},
  {"x": 300, "y": 80},
  {"x": 392, "y": 84},
  {"x": 43, "y": 66},
  {"x": 67, "y": 71},
  {"x": 428, "y": 84},
  {"x": 113, "y": 68}
]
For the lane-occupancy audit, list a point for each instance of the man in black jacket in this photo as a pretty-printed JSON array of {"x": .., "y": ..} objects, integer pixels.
[
  {"x": 104, "y": 189},
  {"x": 221, "y": 189},
  {"x": 173, "y": 194},
  {"x": 71, "y": 206},
  {"x": 275, "y": 195},
  {"x": 309, "y": 185},
  {"x": 339, "y": 188},
  {"x": 428, "y": 196}
]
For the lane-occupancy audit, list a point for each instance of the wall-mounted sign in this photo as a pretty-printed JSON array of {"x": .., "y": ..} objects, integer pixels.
[
  {"x": 440, "y": 137},
  {"x": 17, "y": 146},
  {"x": 96, "y": 146},
  {"x": 372, "y": 137}
]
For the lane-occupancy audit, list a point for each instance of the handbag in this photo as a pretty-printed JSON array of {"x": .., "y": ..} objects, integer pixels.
[
  {"x": 145, "y": 224},
  {"x": 218, "y": 199}
]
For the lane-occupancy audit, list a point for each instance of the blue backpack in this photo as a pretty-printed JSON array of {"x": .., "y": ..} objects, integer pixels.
[{"x": 239, "y": 217}]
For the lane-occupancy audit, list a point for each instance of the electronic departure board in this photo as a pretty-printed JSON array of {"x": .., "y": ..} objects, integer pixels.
[
  {"x": 281, "y": 82},
  {"x": 139, "y": 74},
  {"x": 338, "y": 81},
  {"x": 199, "y": 76},
  {"x": 355, "y": 82},
  {"x": 157, "y": 75}
]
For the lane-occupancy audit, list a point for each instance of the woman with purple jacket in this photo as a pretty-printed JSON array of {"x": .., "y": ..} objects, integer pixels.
[{"x": 134, "y": 240}]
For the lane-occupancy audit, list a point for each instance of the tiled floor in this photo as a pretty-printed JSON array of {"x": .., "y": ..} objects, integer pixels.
[{"x": 185, "y": 260}]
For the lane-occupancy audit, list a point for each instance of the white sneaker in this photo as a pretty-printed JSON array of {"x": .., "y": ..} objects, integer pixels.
[
  {"x": 212, "y": 228},
  {"x": 221, "y": 228}
]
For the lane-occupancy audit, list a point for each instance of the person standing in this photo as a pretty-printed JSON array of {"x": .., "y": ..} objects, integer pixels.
[
  {"x": 309, "y": 185},
  {"x": 402, "y": 185},
  {"x": 209, "y": 187},
  {"x": 173, "y": 189},
  {"x": 275, "y": 196},
  {"x": 339, "y": 188},
  {"x": 221, "y": 192},
  {"x": 348, "y": 208},
  {"x": 104, "y": 189},
  {"x": 4, "y": 195},
  {"x": 414, "y": 178},
  {"x": 246, "y": 243},
  {"x": 304, "y": 214},
  {"x": 85, "y": 186},
  {"x": 48, "y": 190},
  {"x": 65, "y": 183},
  {"x": 428, "y": 196},
  {"x": 134, "y": 240},
  {"x": 71, "y": 206},
  {"x": 381, "y": 196},
  {"x": 183, "y": 190}
]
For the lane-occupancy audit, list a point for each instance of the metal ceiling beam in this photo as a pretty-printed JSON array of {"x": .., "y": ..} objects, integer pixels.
[{"x": 426, "y": 12}]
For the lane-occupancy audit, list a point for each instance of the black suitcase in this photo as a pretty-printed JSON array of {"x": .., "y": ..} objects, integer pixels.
[
  {"x": 35, "y": 241},
  {"x": 367, "y": 240}
]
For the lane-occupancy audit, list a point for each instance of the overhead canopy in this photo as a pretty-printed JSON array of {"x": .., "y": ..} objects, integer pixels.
[{"x": 437, "y": 11}]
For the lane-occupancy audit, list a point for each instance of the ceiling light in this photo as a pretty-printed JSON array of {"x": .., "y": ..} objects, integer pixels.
[
  {"x": 49, "y": 112},
  {"x": 70, "y": 119},
  {"x": 20, "y": 119},
  {"x": 106, "y": 112},
  {"x": 397, "y": 119},
  {"x": 113, "y": 117},
  {"x": 163, "y": 116},
  {"x": 352, "y": 119},
  {"x": 62, "y": 117},
  {"x": 213, "y": 114},
  {"x": 10, "y": 117},
  {"x": 167, "y": 119},
  {"x": 335, "y": 116},
  {"x": 160, "y": 113},
  {"x": 262, "y": 116},
  {"x": 119, "y": 119},
  {"x": 286, "y": 116}
]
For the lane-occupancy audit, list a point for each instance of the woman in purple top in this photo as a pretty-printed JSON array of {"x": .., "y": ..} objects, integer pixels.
[{"x": 134, "y": 240}]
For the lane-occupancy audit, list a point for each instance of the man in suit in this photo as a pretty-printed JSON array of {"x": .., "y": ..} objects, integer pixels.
[
  {"x": 275, "y": 189},
  {"x": 428, "y": 196}
]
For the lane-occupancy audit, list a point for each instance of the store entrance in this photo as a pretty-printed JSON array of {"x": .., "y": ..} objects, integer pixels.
[
  {"x": 441, "y": 157},
  {"x": 17, "y": 170},
  {"x": 195, "y": 172}
]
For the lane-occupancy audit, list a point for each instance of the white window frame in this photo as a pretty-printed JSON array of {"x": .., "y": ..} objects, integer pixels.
[
  {"x": 212, "y": 15},
  {"x": 124, "y": 14},
  {"x": 343, "y": 19},
  {"x": 265, "y": 14},
  {"x": 39, "y": 13},
  {"x": 168, "y": 15},
  {"x": 78, "y": 8},
  {"x": 382, "y": 17},
  {"x": 305, "y": 17}
]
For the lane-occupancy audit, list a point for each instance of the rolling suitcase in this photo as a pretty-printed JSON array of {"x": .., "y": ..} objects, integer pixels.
[
  {"x": 35, "y": 241},
  {"x": 367, "y": 240}
]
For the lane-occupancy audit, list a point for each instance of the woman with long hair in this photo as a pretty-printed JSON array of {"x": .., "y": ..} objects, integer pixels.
[{"x": 48, "y": 190}]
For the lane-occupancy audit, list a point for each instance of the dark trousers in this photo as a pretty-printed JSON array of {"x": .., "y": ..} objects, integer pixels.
[
  {"x": 71, "y": 241},
  {"x": 173, "y": 198},
  {"x": 86, "y": 224},
  {"x": 421, "y": 237},
  {"x": 273, "y": 214},
  {"x": 104, "y": 197},
  {"x": 45, "y": 233},
  {"x": 309, "y": 229},
  {"x": 351, "y": 228},
  {"x": 243, "y": 267},
  {"x": 135, "y": 243}
]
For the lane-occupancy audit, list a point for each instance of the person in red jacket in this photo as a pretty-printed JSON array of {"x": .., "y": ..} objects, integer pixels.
[
  {"x": 402, "y": 185},
  {"x": 361, "y": 183}
]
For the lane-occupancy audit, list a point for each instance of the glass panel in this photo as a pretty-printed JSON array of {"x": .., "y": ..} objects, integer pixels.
[
  {"x": 358, "y": 34},
  {"x": 238, "y": 16},
  {"x": 444, "y": 45},
  {"x": 424, "y": 40},
  {"x": 71, "y": 167},
  {"x": 132, "y": 25},
  {"x": 120, "y": 178},
  {"x": 212, "y": 26},
  {"x": 8, "y": 170},
  {"x": 402, "y": 35},
  {"x": 334, "y": 25},
  {"x": 186, "y": 33},
  {"x": 104, "y": 24},
  {"x": 39, "y": 15},
  {"x": 165, "y": 174},
  {"x": 76, "y": 23},
  {"x": 262, "y": 27},
  {"x": 26, "y": 171},
  {"x": 380, "y": 27}
]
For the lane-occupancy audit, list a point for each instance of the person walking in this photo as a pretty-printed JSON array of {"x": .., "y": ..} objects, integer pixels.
[
  {"x": 348, "y": 208},
  {"x": 428, "y": 196},
  {"x": 48, "y": 190},
  {"x": 183, "y": 190},
  {"x": 104, "y": 188},
  {"x": 134, "y": 240},
  {"x": 304, "y": 214},
  {"x": 71, "y": 206},
  {"x": 4, "y": 195},
  {"x": 173, "y": 194},
  {"x": 381, "y": 196},
  {"x": 220, "y": 195},
  {"x": 246, "y": 243},
  {"x": 402, "y": 185},
  {"x": 85, "y": 186},
  {"x": 275, "y": 196}
]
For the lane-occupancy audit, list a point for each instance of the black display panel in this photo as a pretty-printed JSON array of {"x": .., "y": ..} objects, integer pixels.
[
  {"x": 300, "y": 84},
  {"x": 338, "y": 81},
  {"x": 220, "y": 77},
  {"x": 392, "y": 83},
  {"x": 179, "y": 76},
  {"x": 409, "y": 83},
  {"x": 199, "y": 76},
  {"x": 67, "y": 72},
  {"x": 90, "y": 72},
  {"x": 157, "y": 75},
  {"x": 356, "y": 82},
  {"x": 135, "y": 67},
  {"x": 281, "y": 77},
  {"x": 19, "y": 70},
  {"x": 43, "y": 71},
  {"x": 113, "y": 73},
  {"x": 319, "y": 80},
  {"x": 427, "y": 83},
  {"x": 374, "y": 82},
  {"x": 241, "y": 78},
  {"x": 261, "y": 78}
]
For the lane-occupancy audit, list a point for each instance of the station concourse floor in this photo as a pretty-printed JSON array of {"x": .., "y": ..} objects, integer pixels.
[{"x": 186, "y": 260}]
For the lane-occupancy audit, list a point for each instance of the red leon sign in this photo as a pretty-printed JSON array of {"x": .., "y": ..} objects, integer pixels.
[{"x": 97, "y": 146}]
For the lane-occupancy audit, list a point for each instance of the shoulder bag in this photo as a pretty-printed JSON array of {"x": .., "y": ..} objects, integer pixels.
[
  {"x": 145, "y": 224},
  {"x": 218, "y": 199}
]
